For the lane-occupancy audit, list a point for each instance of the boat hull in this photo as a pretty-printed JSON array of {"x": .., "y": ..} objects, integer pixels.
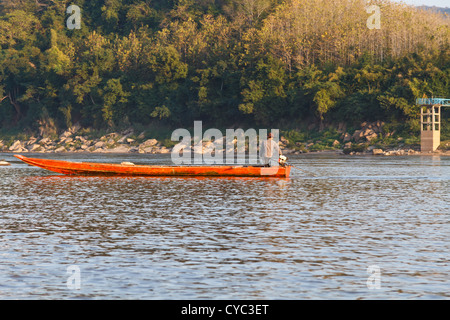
[{"x": 105, "y": 169}]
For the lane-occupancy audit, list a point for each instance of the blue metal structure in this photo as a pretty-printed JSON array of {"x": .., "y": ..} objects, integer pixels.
[{"x": 433, "y": 101}]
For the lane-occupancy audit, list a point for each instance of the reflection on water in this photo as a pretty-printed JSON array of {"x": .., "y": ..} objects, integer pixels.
[{"x": 229, "y": 238}]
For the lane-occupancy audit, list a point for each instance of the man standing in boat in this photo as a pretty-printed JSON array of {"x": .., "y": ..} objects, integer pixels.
[{"x": 270, "y": 151}]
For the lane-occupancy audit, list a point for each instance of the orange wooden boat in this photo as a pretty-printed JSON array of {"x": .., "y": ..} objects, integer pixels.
[{"x": 129, "y": 169}]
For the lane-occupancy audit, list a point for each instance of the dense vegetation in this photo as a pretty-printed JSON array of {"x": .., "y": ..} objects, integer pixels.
[{"x": 252, "y": 63}]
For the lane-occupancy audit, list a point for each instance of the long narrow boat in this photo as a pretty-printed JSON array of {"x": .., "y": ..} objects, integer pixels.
[{"x": 129, "y": 169}]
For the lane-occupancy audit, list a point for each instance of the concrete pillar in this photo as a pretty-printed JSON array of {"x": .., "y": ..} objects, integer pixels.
[{"x": 430, "y": 127}]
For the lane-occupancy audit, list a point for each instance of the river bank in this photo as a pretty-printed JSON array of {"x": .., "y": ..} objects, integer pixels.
[{"x": 364, "y": 141}]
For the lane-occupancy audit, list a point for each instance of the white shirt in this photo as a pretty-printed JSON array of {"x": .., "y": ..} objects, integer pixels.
[{"x": 269, "y": 150}]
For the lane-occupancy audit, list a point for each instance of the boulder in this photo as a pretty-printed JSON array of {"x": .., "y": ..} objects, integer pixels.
[
  {"x": 99, "y": 145},
  {"x": 366, "y": 132},
  {"x": 284, "y": 140},
  {"x": 377, "y": 152},
  {"x": 82, "y": 139},
  {"x": 357, "y": 135},
  {"x": 109, "y": 136},
  {"x": 99, "y": 150},
  {"x": 122, "y": 140},
  {"x": 149, "y": 143},
  {"x": 16, "y": 146},
  {"x": 60, "y": 149},
  {"x": 21, "y": 150},
  {"x": 31, "y": 141},
  {"x": 395, "y": 153},
  {"x": 346, "y": 137},
  {"x": 35, "y": 147},
  {"x": 379, "y": 126},
  {"x": 110, "y": 141},
  {"x": 371, "y": 136},
  {"x": 65, "y": 135},
  {"x": 45, "y": 141}
]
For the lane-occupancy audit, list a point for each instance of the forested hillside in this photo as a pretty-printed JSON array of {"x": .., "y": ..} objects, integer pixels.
[
  {"x": 226, "y": 62},
  {"x": 438, "y": 9}
]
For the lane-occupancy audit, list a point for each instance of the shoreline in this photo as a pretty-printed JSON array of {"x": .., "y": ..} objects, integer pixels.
[
  {"x": 397, "y": 152},
  {"x": 152, "y": 146},
  {"x": 75, "y": 140}
]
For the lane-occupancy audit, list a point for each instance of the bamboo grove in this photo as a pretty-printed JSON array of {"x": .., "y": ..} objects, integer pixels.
[{"x": 226, "y": 62}]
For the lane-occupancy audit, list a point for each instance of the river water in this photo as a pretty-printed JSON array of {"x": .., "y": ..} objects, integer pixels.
[{"x": 363, "y": 228}]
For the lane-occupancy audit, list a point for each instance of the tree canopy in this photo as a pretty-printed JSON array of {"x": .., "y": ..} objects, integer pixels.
[{"x": 227, "y": 62}]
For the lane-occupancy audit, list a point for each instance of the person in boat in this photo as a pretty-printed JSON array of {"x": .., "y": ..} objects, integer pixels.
[{"x": 270, "y": 151}]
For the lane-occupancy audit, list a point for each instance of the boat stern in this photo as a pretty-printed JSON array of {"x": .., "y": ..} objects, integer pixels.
[{"x": 287, "y": 171}]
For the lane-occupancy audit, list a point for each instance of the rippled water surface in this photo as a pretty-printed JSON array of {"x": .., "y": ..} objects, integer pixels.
[{"x": 229, "y": 238}]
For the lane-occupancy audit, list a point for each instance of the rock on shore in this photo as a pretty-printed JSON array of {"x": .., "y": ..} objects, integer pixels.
[
  {"x": 367, "y": 133},
  {"x": 73, "y": 140}
]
